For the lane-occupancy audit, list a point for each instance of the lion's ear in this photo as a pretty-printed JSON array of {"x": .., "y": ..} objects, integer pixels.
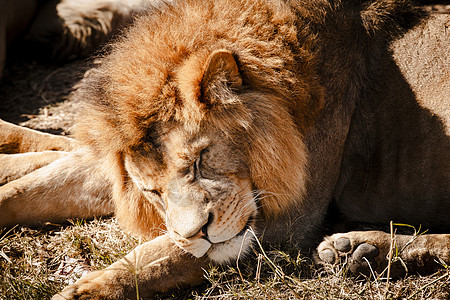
[{"x": 221, "y": 68}]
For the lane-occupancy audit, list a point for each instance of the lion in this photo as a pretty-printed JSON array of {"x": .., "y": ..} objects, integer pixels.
[
  {"x": 64, "y": 29},
  {"x": 209, "y": 119}
]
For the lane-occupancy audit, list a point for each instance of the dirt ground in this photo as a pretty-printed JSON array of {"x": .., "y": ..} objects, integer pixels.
[{"x": 36, "y": 94}]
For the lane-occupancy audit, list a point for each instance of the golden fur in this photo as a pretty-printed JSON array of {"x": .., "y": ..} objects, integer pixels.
[
  {"x": 269, "y": 114},
  {"x": 178, "y": 101}
]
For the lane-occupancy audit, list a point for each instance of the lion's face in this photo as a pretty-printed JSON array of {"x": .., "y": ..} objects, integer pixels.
[{"x": 200, "y": 183}]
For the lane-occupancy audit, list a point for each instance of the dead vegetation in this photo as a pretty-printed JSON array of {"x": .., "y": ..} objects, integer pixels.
[{"x": 36, "y": 263}]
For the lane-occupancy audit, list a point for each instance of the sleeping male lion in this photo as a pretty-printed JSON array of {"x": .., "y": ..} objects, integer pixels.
[{"x": 208, "y": 118}]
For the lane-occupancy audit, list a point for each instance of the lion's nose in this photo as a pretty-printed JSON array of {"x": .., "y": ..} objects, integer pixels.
[
  {"x": 190, "y": 224},
  {"x": 203, "y": 233}
]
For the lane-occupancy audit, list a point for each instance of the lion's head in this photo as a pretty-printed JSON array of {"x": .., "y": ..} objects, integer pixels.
[{"x": 202, "y": 134}]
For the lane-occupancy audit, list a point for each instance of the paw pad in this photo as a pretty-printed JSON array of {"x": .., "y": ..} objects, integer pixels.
[
  {"x": 364, "y": 255},
  {"x": 360, "y": 257},
  {"x": 365, "y": 250},
  {"x": 327, "y": 256},
  {"x": 343, "y": 244}
]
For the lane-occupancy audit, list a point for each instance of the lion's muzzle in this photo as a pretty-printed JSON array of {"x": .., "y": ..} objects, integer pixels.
[{"x": 215, "y": 228}]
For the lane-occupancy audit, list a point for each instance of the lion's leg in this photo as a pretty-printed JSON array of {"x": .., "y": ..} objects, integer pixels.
[
  {"x": 17, "y": 139},
  {"x": 156, "y": 266},
  {"x": 367, "y": 251},
  {"x": 14, "y": 166},
  {"x": 73, "y": 28},
  {"x": 73, "y": 186}
]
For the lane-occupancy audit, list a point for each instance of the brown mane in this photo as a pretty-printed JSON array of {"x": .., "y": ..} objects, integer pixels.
[{"x": 142, "y": 94}]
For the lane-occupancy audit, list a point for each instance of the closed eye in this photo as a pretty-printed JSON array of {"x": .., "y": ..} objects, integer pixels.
[
  {"x": 203, "y": 170},
  {"x": 153, "y": 191},
  {"x": 196, "y": 167}
]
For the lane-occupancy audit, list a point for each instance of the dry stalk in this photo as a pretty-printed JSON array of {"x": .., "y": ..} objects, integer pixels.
[
  {"x": 278, "y": 272},
  {"x": 391, "y": 254},
  {"x": 258, "y": 268}
]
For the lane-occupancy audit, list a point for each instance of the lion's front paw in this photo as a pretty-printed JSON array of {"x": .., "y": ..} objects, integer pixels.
[
  {"x": 74, "y": 292},
  {"x": 342, "y": 249},
  {"x": 95, "y": 285},
  {"x": 368, "y": 252},
  {"x": 361, "y": 256}
]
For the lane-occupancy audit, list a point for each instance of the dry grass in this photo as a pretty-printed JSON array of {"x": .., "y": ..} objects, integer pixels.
[{"x": 36, "y": 263}]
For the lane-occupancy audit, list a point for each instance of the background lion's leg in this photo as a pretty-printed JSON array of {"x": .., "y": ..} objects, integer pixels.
[
  {"x": 155, "y": 266},
  {"x": 71, "y": 28},
  {"x": 367, "y": 251},
  {"x": 17, "y": 139},
  {"x": 73, "y": 186}
]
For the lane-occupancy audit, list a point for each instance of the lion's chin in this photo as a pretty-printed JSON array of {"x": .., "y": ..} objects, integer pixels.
[
  {"x": 220, "y": 253},
  {"x": 232, "y": 249}
]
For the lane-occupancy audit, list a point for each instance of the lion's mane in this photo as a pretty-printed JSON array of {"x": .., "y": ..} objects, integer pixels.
[{"x": 153, "y": 78}]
